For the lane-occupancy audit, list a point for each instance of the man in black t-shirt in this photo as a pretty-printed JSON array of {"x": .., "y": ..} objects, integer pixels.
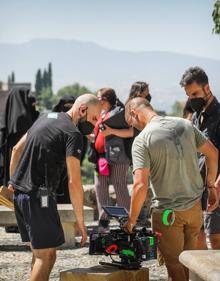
[{"x": 38, "y": 160}]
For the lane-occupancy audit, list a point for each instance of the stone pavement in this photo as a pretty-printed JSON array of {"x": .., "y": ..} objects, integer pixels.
[{"x": 15, "y": 259}]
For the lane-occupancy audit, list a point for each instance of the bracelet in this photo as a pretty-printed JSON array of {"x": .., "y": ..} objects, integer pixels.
[{"x": 211, "y": 186}]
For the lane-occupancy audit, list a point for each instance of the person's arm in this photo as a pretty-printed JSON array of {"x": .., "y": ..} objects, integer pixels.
[
  {"x": 139, "y": 193},
  {"x": 217, "y": 185},
  {"x": 211, "y": 160},
  {"x": 123, "y": 133},
  {"x": 16, "y": 153},
  {"x": 76, "y": 193}
]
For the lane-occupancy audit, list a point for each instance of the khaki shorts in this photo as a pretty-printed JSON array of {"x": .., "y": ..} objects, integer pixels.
[{"x": 180, "y": 236}]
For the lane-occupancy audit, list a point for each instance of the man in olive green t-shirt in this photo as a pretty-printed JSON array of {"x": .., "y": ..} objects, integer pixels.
[{"x": 166, "y": 150}]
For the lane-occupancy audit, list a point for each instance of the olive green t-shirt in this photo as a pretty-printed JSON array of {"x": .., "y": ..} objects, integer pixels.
[{"x": 167, "y": 146}]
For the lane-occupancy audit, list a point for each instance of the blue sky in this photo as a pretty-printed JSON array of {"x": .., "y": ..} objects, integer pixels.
[{"x": 138, "y": 25}]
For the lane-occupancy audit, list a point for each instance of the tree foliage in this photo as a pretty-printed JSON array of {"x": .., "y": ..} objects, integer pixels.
[
  {"x": 216, "y": 17},
  {"x": 11, "y": 78},
  {"x": 72, "y": 90},
  {"x": 38, "y": 83},
  {"x": 50, "y": 75},
  {"x": 43, "y": 89},
  {"x": 177, "y": 109},
  {"x": 46, "y": 99},
  {"x": 87, "y": 171}
]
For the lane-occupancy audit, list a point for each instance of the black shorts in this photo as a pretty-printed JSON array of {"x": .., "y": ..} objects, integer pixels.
[
  {"x": 212, "y": 222},
  {"x": 40, "y": 226}
]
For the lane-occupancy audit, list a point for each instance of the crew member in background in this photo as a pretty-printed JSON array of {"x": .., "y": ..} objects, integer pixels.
[
  {"x": 113, "y": 162},
  {"x": 207, "y": 119}
]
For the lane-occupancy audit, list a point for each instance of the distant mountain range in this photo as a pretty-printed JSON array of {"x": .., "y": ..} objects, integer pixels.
[{"x": 95, "y": 67}]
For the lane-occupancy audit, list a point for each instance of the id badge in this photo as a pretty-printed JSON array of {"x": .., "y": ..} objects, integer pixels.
[
  {"x": 44, "y": 202},
  {"x": 44, "y": 198}
]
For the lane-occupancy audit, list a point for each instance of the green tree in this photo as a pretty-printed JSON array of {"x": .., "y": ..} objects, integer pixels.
[
  {"x": 13, "y": 77},
  {"x": 43, "y": 88},
  {"x": 45, "y": 79},
  {"x": 38, "y": 83},
  {"x": 9, "y": 79},
  {"x": 87, "y": 171},
  {"x": 45, "y": 99},
  {"x": 50, "y": 75},
  {"x": 177, "y": 109},
  {"x": 216, "y": 17},
  {"x": 72, "y": 90}
]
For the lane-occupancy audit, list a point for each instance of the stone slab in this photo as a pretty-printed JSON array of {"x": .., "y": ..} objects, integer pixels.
[
  {"x": 104, "y": 273},
  {"x": 67, "y": 217},
  {"x": 7, "y": 216},
  {"x": 204, "y": 265}
]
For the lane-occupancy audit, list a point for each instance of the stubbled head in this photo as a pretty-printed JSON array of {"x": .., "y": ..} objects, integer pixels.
[
  {"x": 136, "y": 111},
  {"x": 85, "y": 112}
]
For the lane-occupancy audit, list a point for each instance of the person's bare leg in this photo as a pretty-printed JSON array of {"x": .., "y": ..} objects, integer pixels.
[
  {"x": 201, "y": 243},
  {"x": 43, "y": 264},
  {"x": 214, "y": 241},
  {"x": 33, "y": 261},
  {"x": 33, "y": 257}
]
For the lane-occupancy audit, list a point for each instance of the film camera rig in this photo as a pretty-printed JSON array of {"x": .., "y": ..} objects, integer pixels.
[{"x": 132, "y": 248}]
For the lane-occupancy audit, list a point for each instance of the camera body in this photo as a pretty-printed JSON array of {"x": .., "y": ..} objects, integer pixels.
[{"x": 132, "y": 248}]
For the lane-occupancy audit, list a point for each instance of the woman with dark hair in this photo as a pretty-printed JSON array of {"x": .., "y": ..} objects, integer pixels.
[
  {"x": 113, "y": 162},
  {"x": 139, "y": 89}
]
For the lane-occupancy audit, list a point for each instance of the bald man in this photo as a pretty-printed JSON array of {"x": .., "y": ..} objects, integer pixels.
[
  {"x": 37, "y": 163},
  {"x": 166, "y": 150}
]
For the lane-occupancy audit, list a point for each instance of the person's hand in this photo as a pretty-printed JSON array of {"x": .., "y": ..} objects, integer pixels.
[
  {"x": 10, "y": 188},
  {"x": 213, "y": 199},
  {"x": 108, "y": 131},
  {"x": 83, "y": 232},
  {"x": 128, "y": 226}
]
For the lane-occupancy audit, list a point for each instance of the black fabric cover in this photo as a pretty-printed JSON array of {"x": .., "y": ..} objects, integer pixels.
[
  {"x": 15, "y": 120},
  {"x": 116, "y": 119}
]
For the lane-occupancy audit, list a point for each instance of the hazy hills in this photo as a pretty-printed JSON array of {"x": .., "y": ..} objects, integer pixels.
[{"x": 95, "y": 67}]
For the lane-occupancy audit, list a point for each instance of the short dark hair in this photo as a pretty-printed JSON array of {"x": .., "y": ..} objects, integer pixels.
[
  {"x": 194, "y": 74},
  {"x": 109, "y": 95}
]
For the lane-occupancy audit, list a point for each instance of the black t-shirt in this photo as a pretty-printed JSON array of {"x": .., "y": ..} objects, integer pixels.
[
  {"x": 210, "y": 128},
  {"x": 51, "y": 139}
]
